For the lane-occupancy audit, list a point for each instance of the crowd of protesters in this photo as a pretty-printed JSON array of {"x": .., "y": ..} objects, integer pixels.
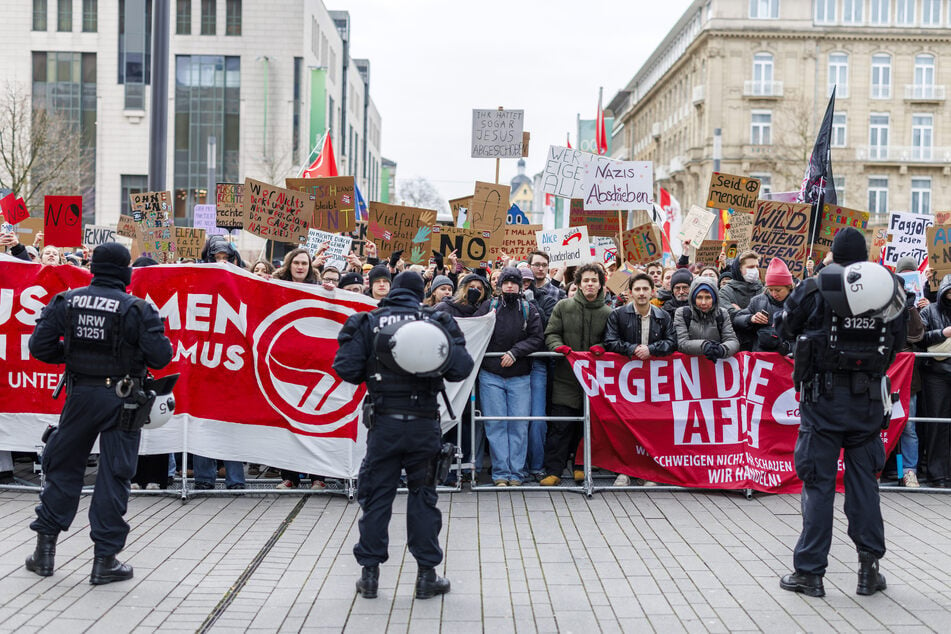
[{"x": 706, "y": 309}]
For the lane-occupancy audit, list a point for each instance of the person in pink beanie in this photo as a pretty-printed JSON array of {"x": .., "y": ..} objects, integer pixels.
[{"x": 757, "y": 319}]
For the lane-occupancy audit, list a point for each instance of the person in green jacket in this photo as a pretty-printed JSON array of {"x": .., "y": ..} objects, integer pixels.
[{"x": 577, "y": 323}]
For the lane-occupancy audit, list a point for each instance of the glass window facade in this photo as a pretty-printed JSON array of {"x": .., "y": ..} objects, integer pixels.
[
  {"x": 39, "y": 15},
  {"x": 209, "y": 12},
  {"x": 921, "y": 195},
  {"x": 878, "y": 194},
  {"x": 183, "y": 17},
  {"x": 64, "y": 15},
  {"x": 90, "y": 16},
  {"x": 233, "y": 17},
  {"x": 295, "y": 124},
  {"x": 131, "y": 184},
  {"x": 881, "y": 76},
  {"x": 838, "y": 129},
  {"x": 135, "y": 50},
  {"x": 760, "y": 128}
]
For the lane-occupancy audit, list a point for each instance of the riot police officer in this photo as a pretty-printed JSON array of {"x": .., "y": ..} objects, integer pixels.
[
  {"x": 403, "y": 352},
  {"x": 850, "y": 324},
  {"x": 108, "y": 340}
]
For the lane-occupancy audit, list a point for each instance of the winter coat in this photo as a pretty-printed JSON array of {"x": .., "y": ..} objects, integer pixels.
[
  {"x": 578, "y": 324},
  {"x": 672, "y": 304},
  {"x": 762, "y": 337},
  {"x": 738, "y": 291},
  {"x": 513, "y": 333},
  {"x": 622, "y": 333},
  {"x": 936, "y": 317},
  {"x": 704, "y": 326}
]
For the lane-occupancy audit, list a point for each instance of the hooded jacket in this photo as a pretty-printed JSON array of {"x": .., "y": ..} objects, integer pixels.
[
  {"x": 704, "y": 326},
  {"x": 578, "y": 324},
  {"x": 738, "y": 291},
  {"x": 762, "y": 336},
  {"x": 514, "y": 334},
  {"x": 936, "y": 317}
]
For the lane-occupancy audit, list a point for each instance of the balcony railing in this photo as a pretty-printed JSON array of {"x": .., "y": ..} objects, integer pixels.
[
  {"x": 924, "y": 92},
  {"x": 754, "y": 88},
  {"x": 903, "y": 153}
]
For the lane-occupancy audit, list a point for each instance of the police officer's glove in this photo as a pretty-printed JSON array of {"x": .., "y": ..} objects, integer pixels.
[
  {"x": 563, "y": 349},
  {"x": 596, "y": 350}
]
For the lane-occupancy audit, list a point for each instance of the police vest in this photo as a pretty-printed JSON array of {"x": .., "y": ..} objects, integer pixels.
[
  {"x": 385, "y": 380},
  {"x": 94, "y": 344},
  {"x": 854, "y": 344}
]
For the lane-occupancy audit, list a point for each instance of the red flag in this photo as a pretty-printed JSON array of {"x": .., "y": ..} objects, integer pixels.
[
  {"x": 325, "y": 164},
  {"x": 600, "y": 135},
  {"x": 568, "y": 139}
]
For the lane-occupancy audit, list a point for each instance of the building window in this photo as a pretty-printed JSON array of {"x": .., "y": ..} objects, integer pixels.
[
  {"x": 931, "y": 12},
  {"x": 765, "y": 183},
  {"x": 852, "y": 11},
  {"x": 921, "y": 195},
  {"x": 760, "y": 128},
  {"x": 838, "y": 74},
  {"x": 90, "y": 16},
  {"x": 764, "y": 9},
  {"x": 135, "y": 56},
  {"x": 838, "y": 129},
  {"x": 131, "y": 184},
  {"x": 878, "y": 12},
  {"x": 881, "y": 76},
  {"x": 878, "y": 136},
  {"x": 922, "y": 136},
  {"x": 825, "y": 11},
  {"x": 39, "y": 15},
  {"x": 208, "y": 14},
  {"x": 763, "y": 74},
  {"x": 924, "y": 77},
  {"x": 905, "y": 12},
  {"x": 878, "y": 195},
  {"x": 207, "y": 104},
  {"x": 295, "y": 125},
  {"x": 233, "y": 17},
  {"x": 64, "y": 15},
  {"x": 183, "y": 17},
  {"x": 840, "y": 189}
]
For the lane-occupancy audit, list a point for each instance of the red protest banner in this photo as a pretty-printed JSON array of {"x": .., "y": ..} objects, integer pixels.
[
  {"x": 14, "y": 209},
  {"x": 685, "y": 420},
  {"x": 63, "y": 221}
]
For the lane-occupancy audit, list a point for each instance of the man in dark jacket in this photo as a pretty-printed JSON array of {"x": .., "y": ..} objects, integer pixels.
[
  {"x": 935, "y": 438},
  {"x": 638, "y": 329},
  {"x": 744, "y": 285},
  {"x": 680, "y": 291}
]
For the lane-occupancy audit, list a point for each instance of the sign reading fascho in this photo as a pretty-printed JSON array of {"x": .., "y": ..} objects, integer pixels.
[
  {"x": 610, "y": 184},
  {"x": 728, "y": 191},
  {"x": 497, "y": 133},
  {"x": 282, "y": 215},
  {"x": 334, "y": 200}
]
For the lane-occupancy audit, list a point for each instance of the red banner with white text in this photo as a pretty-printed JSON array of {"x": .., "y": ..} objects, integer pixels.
[{"x": 687, "y": 421}]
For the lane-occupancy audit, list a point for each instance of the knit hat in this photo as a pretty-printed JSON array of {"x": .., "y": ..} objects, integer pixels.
[
  {"x": 777, "y": 273},
  {"x": 510, "y": 274},
  {"x": 410, "y": 280},
  {"x": 441, "y": 280},
  {"x": 681, "y": 276},
  {"x": 527, "y": 274},
  {"x": 143, "y": 260},
  {"x": 378, "y": 271},
  {"x": 350, "y": 278},
  {"x": 906, "y": 263},
  {"x": 475, "y": 277},
  {"x": 111, "y": 260},
  {"x": 725, "y": 275},
  {"x": 849, "y": 246}
]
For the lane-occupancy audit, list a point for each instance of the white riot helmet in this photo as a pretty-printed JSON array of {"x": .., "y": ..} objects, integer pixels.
[
  {"x": 164, "y": 404},
  {"x": 419, "y": 348},
  {"x": 862, "y": 289}
]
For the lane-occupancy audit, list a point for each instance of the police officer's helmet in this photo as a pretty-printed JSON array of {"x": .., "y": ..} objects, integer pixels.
[
  {"x": 419, "y": 348},
  {"x": 164, "y": 405},
  {"x": 862, "y": 289}
]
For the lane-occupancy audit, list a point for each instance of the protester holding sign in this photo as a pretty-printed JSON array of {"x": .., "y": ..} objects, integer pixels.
[
  {"x": 757, "y": 321},
  {"x": 704, "y": 327},
  {"x": 935, "y": 438}
]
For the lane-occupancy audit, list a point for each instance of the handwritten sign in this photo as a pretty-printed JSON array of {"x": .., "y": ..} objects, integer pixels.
[
  {"x": 833, "y": 219},
  {"x": 497, "y": 133},
  {"x": 938, "y": 239},
  {"x": 458, "y": 207},
  {"x": 334, "y": 199},
  {"x": 906, "y": 236},
  {"x": 741, "y": 230},
  {"x": 728, "y": 191},
  {"x": 604, "y": 249},
  {"x": 398, "y": 228},
  {"x": 153, "y": 204},
  {"x": 603, "y": 222},
  {"x": 14, "y": 209},
  {"x": 206, "y": 217},
  {"x": 520, "y": 240},
  {"x": 94, "y": 235},
  {"x": 564, "y": 171},
  {"x": 338, "y": 247},
  {"x": 358, "y": 239},
  {"x": 126, "y": 226},
  {"x": 612, "y": 184},
  {"x": 489, "y": 208},
  {"x": 472, "y": 247},
  {"x": 282, "y": 215},
  {"x": 780, "y": 230},
  {"x": 229, "y": 212},
  {"x": 189, "y": 242},
  {"x": 618, "y": 281},
  {"x": 565, "y": 247},
  {"x": 708, "y": 252},
  {"x": 696, "y": 225},
  {"x": 642, "y": 244},
  {"x": 63, "y": 221}
]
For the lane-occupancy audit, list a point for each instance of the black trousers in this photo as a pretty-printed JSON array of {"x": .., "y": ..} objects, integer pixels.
[
  {"x": 562, "y": 439},
  {"x": 393, "y": 445},
  {"x": 934, "y": 439},
  {"x": 839, "y": 420},
  {"x": 88, "y": 412}
]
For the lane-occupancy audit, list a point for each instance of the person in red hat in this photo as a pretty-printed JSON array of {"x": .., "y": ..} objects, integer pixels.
[{"x": 757, "y": 320}]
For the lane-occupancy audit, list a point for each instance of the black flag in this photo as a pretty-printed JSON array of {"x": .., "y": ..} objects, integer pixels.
[{"x": 818, "y": 184}]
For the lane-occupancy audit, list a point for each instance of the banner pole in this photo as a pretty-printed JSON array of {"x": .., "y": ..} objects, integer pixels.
[
  {"x": 620, "y": 239},
  {"x": 497, "y": 161}
]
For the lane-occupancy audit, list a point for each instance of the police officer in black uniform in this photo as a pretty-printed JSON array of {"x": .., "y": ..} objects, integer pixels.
[
  {"x": 404, "y": 427},
  {"x": 848, "y": 323},
  {"x": 108, "y": 339}
]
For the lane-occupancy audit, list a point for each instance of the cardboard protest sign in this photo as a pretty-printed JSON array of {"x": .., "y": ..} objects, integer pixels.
[
  {"x": 696, "y": 225},
  {"x": 610, "y": 184},
  {"x": 520, "y": 241},
  {"x": 565, "y": 247},
  {"x": 358, "y": 239},
  {"x": 618, "y": 281},
  {"x": 879, "y": 239},
  {"x": 154, "y": 231},
  {"x": 189, "y": 242},
  {"x": 337, "y": 250},
  {"x": 489, "y": 209},
  {"x": 604, "y": 249},
  {"x": 28, "y": 229},
  {"x": 728, "y": 191},
  {"x": 63, "y": 221},
  {"x": 497, "y": 133},
  {"x": 942, "y": 217},
  {"x": 642, "y": 244},
  {"x": 206, "y": 217},
  {"x": 564, "y": 171},
  {"x": 833, "y": 219},
  {"x": 14, "y": 209},
  {"x": 780, "y": 230},
  {"x": 906, "y": 236},
  {"x": 938, "y": 240},
  {"x": 94, "y": 235},
  {"x": 229, "y": 212},
  {"x": 152, "y": 204},
  {"x": 334, "y": 199},
  {"x": 273, "y": 212},
  {"x": 459, "y": 207},
  {"x": 602, "y": 222},
  {"x": 397, "y": 228},
  {"x": 125, "y": 226},
  {"x": 912, "y": 279},
  {"x": 741, "y": 230},
  {"x": 472, "y": 246},
  {"x": 708, "y": 252}
]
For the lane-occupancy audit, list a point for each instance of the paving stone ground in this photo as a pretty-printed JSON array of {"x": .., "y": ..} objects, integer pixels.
[{"x": 519, "y": 561}]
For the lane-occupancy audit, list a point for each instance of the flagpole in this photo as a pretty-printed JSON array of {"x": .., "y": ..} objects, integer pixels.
[
  {"x": 620, "y": 242},
  {"x": 497, "y": 162}
]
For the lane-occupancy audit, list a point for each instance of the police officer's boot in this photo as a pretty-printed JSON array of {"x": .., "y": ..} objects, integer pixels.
[
  {"x": 369, "y": 582},
  {"x": 870, "y": 579},
  {"x": 41, "y": 561},
  {"x": 803, "y": 582},
  {"x": 107, "y": 568},
  {"x": 429, "y": 584}
]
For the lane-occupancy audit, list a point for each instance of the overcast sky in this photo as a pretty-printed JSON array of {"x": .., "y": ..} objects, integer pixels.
[{"x": 433, "y": 61}]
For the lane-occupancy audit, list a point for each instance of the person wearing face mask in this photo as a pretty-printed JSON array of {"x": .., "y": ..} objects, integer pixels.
[
  {"x": 472, "y": 291},
  {"x": 504, "y": 381},
  {"x": 745, "y": 284}
]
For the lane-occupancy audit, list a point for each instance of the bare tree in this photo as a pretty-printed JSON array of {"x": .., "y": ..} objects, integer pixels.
[
  {"x": 41, "y": 152},
  {"x": 277, "y": 167},
  {"x": 419, "y": 192}
]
